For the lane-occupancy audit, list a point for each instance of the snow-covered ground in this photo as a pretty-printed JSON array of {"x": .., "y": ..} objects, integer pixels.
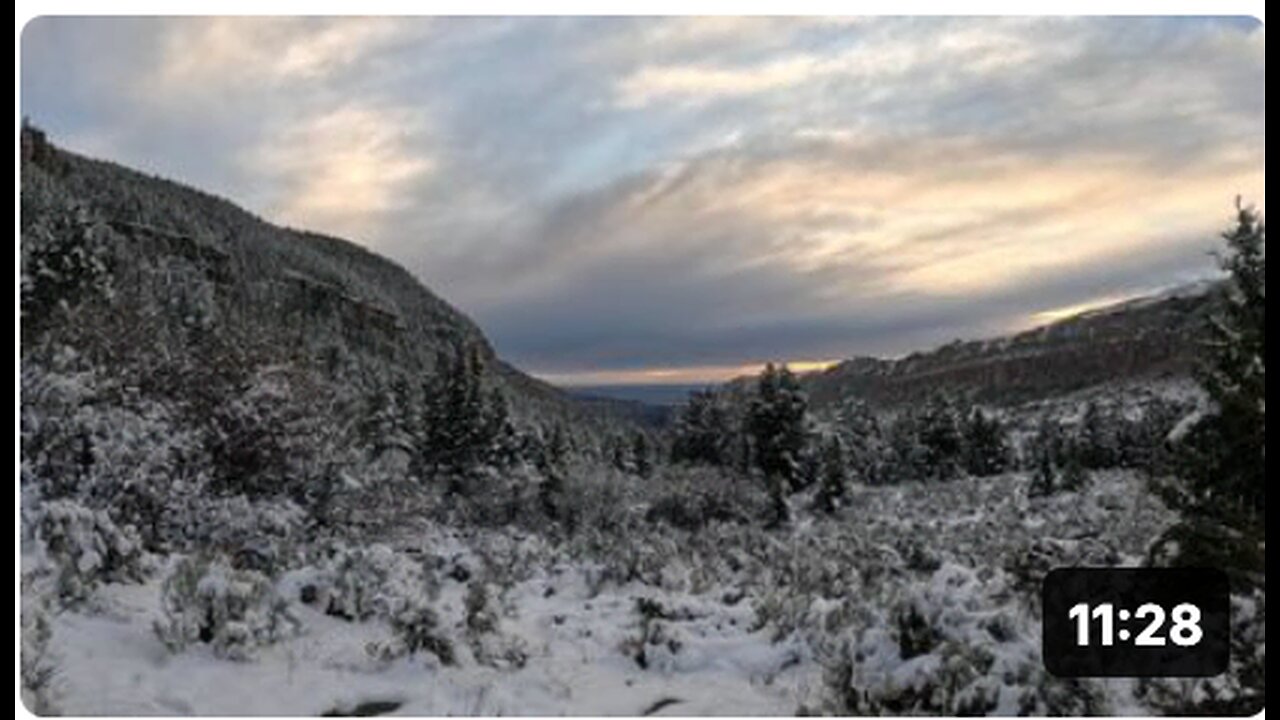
[
  {"x": 917, "y": 597},
  {"x": 110, "y": 662}
]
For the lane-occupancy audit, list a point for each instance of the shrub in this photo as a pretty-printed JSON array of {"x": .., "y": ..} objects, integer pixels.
[
  {"x": 357, "y": 584},
  {"x": 37, "y": 669},
  {"x": 950, "y": 646},
  {"x": 87, "y": 548},
  {"x": 234, "y": 611}
]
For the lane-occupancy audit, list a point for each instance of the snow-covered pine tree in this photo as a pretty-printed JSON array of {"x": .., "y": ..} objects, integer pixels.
[
  {"x": 498, "y": 432},
  {"x": 986, "y": 450},
  {"x": 1229, "y": 478},
  {"x": 703, "y": 431},
  {"x": 641, "y": 459},
  {"x": 908, "y": 459},
  {"x": 834, "y": 475},
  {"x": 1045, "y": 452},
  {"x": 1097, "y": 440},
  {"x": 1221, "y": 459},
  {"x": 616, "y": 450},
  {"x": 863, "y": 440},
  {"x": 778, "y": 423},
  {"x": 939, "y": 434}
]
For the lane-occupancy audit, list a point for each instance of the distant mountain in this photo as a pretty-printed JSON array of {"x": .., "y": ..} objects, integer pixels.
[
  {"x": 1148, "y": 338},
  {"x": 151, "y": 265},
  {"x": 650, "y": 394}
]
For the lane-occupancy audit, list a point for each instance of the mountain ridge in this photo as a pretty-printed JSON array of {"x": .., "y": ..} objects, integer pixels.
[
  {"x": 1149, "y": 337},
  {"x": 188, "y": 251}
]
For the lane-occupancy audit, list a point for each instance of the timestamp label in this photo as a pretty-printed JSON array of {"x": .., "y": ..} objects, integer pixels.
[{"x": 1136, "y": 622}]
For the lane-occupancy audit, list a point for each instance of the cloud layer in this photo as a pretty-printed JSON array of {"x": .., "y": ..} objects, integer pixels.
[{"x": 644, "y": 198}]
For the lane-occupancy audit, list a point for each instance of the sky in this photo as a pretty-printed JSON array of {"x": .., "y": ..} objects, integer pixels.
[{"x": 648, "y": 200}]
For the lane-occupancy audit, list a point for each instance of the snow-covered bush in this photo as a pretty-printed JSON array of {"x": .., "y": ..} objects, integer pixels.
[
  {"x": 90, "y": 439},
  {"x": 656, "y": 639},
  {"x": 1241, "y": 691},
  {"x": 594, "y": 498},
  {"x": 375, "y": 582},
  {"x": 489, "y": 645},
  {"x": 38, "y": 671},
  {"x": 267, "y": 528},
  {"x": 53, "y": 457},
  {"x": 87, "y": 548},
  {"x": 691, "y": 498},
  {"x": 276, "y": 435},
  {"x": 206, "y": 600},
  {"x": 951, "y": 645},
  {"x": 66, "y": 258},
  {"x": 416, "y": 628},
  {"x": 359, "y": 583}
]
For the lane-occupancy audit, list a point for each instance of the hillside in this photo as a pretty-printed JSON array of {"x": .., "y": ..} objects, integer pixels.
[
  {"x": 1147, "y": 339},
  {"x": 172, "y": 269}
]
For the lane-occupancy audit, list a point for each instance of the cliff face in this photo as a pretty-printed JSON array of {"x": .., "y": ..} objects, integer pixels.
[{"x": 1153, "y": 338}]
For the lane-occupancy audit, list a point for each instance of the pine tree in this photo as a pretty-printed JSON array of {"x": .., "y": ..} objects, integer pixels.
[
  {"x": 1221, "y": 463},
  {"x": 863, "y": 440},
  {"x": 985, "y": 448},
  {"x": 640, "y": 455},
  {"x": 777, "y": 421},
  {"x": 1043, "y": 477},
  {"x": 834, "y": 475},
  {"x": 500, "y": 441},
  {"x": 1046, "y": 450},
  {"x": 462, "y": 427},
  {"x": 1098, "y": 438},
  {"x": 552, "y": 465},
  {"x": 939, "y": 434},
  {"x": 616, "y": 450},
  {"x": 908, "y": 457},
  {"x": 703, "y": 431}
]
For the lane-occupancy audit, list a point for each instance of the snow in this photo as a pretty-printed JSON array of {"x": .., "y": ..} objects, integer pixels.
[
  {"x": 554, "y": 631},
  {"x": 112, "y": 664}
]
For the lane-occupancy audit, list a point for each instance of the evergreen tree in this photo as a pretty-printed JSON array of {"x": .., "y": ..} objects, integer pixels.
[
  {"x": 552, "y": 465},
  {"x": 1075, "y": 473},
  {"x": 557, "y": 447},
  {"x": 864, "y": 441},
  {"x": 1046, "y": 449},
  {"x": 777, "y": 421},
  {"x": 461, "y": 427},
  {"x": 834, "y": 478},
  {"x": 500, "y": 438},
  {"x": 1221, "y": 464},
  {"x": 387, "y": 423},
  {"x": 703, "y": 431},
  {"x": 640, "y": 455},
  {"x": 1098, "y": 437},
  {"x": 1043, "y": 476},
  {"x": 1226, "y": 472},
  {"x": 939, "y": 435},
  {"x": 985, "y": 449},
  {"x": 616, "y": 451},
  {"x": 908, "y": 457}
]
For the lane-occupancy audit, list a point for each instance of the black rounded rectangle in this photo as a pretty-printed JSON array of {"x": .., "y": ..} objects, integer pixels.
[{"x": 1136, "y": 622}]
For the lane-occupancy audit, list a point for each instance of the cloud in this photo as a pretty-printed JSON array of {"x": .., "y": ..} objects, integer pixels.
[
  {"x": 341, "y": 171},
  {"x": 870, "y": 56},
  {"x": 611, "y": 194},
  {"x": 649, "y": 83},
  {"x": 226, "y": 54}
]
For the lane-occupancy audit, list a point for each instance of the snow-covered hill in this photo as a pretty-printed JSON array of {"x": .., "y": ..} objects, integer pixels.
[{"x": 1154, "y": 338}]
